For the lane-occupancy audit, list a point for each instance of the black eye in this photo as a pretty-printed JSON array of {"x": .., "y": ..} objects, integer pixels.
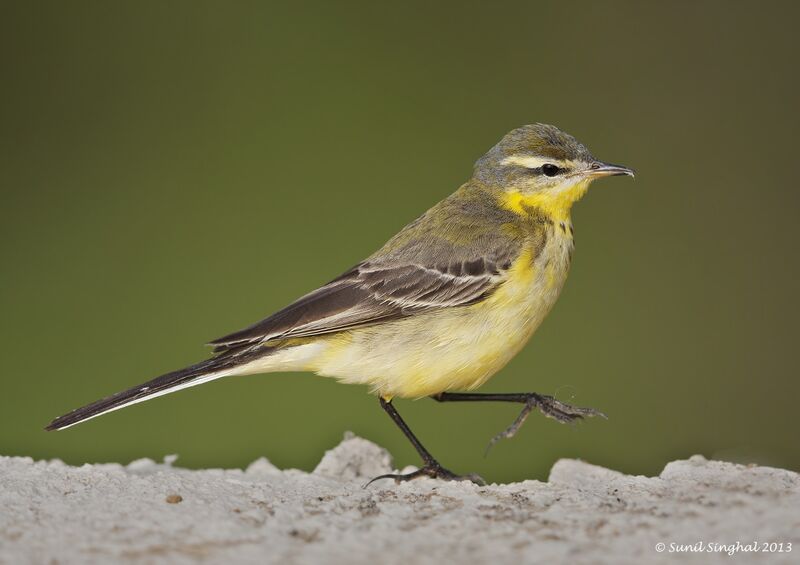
[{"x": 550, "y": 170}]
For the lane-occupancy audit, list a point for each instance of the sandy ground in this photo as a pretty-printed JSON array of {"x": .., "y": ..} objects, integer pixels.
[{"x": 149, "y": 512}]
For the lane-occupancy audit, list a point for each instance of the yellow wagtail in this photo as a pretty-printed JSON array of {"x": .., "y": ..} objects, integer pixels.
[{"x": 441, "y": 307}]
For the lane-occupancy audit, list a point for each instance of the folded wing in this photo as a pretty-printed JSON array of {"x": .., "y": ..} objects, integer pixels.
[{"x": 373, "y": 292}]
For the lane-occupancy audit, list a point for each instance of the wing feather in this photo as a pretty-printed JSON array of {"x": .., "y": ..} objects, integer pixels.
[
  {"x": 430, "y": 264},
  {"x": 371, "y": 293}
]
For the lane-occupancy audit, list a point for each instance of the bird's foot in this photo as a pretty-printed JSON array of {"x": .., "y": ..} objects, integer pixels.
[
  {"x": 432, "y": 470},
  {"x": 550, "y": 407},
  {"x": 561, "y": 411}
]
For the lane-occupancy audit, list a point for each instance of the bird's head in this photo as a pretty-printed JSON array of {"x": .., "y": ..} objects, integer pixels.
[{"x": 540, "y": 166}]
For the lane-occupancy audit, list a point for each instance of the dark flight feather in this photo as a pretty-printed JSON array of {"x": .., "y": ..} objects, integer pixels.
[
  {"x": 158, "y": 385},
  {"x": 369, "y": 294}
]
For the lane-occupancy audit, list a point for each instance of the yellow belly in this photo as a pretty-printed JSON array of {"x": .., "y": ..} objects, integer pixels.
[{"x": 454, "y": 349}]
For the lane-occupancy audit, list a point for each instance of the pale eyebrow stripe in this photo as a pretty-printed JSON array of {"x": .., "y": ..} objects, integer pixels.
[{"x": 529, "y": 161}]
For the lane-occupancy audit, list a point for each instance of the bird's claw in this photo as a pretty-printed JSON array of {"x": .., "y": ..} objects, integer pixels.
[
  {"x": 550, "y": 407},
  {"x": 561, "y": 411},
  {"x": 433, "y": 471}
]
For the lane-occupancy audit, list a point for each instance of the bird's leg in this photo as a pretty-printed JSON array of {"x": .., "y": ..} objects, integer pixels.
[
  {"x": 431, "y": 467},
  {"x": 547, "y": 405}
]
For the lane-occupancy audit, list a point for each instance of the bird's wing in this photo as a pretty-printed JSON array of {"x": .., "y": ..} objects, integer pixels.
[
  {"x": 374, "y": 292},
  {"x": 455, "y": 254}
]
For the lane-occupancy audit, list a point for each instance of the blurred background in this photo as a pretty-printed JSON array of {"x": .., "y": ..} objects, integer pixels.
[{"x": 171, "y": 172}]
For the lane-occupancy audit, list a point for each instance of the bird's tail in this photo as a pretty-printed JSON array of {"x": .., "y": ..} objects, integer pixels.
[{"x": 205, "y": 371}]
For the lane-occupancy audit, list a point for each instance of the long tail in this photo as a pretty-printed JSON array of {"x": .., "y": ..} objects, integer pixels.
[{"x": 203, "y": 372}]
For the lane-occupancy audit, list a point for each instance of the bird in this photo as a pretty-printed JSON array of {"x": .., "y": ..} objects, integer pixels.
[{"x": 440, "y": 308}]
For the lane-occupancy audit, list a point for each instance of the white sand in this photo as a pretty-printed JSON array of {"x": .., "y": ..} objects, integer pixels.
[{"x": 54, "y": 513}]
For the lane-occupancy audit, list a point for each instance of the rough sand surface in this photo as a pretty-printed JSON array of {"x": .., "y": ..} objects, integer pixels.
[{"x": 149, "y": 512}]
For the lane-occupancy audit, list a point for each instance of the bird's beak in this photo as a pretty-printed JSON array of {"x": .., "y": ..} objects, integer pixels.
[{"x": 599, "y": 169}]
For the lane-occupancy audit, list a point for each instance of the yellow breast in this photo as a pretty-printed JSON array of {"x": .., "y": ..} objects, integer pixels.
[{"x": 457, "y": 348}]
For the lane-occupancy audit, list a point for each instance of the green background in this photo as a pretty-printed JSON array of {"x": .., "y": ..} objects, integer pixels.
[{"x": 173, "y": 171}]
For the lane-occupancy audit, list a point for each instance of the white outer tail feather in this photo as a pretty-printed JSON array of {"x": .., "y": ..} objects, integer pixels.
[{"x": 198, "y": 381}]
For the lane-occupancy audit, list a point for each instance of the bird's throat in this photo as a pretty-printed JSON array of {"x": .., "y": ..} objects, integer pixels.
[{"x": 555, "y": 204}]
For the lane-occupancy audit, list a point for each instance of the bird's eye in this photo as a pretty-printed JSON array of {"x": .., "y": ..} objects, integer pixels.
[{"x": 550, "y": 170}]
